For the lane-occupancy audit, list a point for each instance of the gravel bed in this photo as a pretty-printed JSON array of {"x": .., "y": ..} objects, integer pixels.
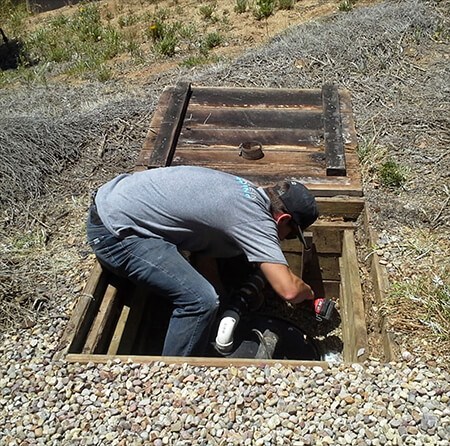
[{"x": 47, "y": 402}]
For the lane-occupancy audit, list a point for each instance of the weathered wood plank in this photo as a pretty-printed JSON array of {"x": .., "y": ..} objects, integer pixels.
[
  {"x": 355, "y": 343},
  {"x": 328, "y": 240},
  {"x": 234, "y": 137},
  {"x": 154, "y": 128},
  {"x": 118, "y": 332},
  {"x": 381, "y": 285},
  {"x": 256, "y": 97},
  {"x": 240, "y": 117},
  {"x": 283, "y": 162},
  {"x": 103, "y": 324},
  {"x": 346, "y": 207},
  {"x": 345, "y": 102},
  {"x": 196, "y": 361},
  {"x": 334, "y": 146},
  {"x": 325, "y": 288},
  {"x": 306, "y": 161},
  {"x": 144, "y": 156},
  {"x": 85, "y": 310},
  {"x": 263, "y": 173},
  {"x": 232, "y": 155},
  {"x": 168, "y": 134},
  {"x": 327, "y": 237},
  {"x": 348, "y": 123},
  {"x": 332, "y": 289},
  {"x": 329, "y": 267},
  {"x": 285, "y": 149}
]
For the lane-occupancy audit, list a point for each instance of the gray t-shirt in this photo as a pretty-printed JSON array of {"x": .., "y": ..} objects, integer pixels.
[{"x": 195, "y": 208}]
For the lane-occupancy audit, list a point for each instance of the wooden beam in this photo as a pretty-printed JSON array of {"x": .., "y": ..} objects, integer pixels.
[
  {"x": 250, "y": 117},
  {"x": 346, "y": 207},
  {"x": 328, "y": 239},
  {"x": 348, "y": 123},
  {"x": 195, "y": 361},
  {"x": 334, "y": 145},
  {"x": 381, "y": 285},
  {"x": 352, "y": 303},
  {"x": 103, "y": 324},
  {"x": 206, "y": 137},
  {"x": 256, "y": 97},
  {"x": 169, "y": 132},
  {"x": 118, "y": 332},
  {"x": 86, "y": 307}
]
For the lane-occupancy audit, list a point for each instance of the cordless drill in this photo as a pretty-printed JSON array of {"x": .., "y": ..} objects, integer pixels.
[{"x": 323, "y": 308}]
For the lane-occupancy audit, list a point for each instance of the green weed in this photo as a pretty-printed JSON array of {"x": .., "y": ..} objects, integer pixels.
[
  {"x": 167, "y": 45},
  {"x": 103, "y": 73},
  {"x": 212, "y": 40},
  {"x": 241, "y": 6},
  {"x": 12, "y": 17},
  {"x": 346, "y": 5},
  {"x": 187, "y": 32},
  {"x": 194, "y": 61},
  {"x": 133, "y": 48},
  {"x": 207, "y": 10},
  {"x": 442, "y": 33},
  {"x": 392, "y": 174},
  {"x": 167, "y": 36},
  {"x": 156, "y": 30},
  {"x": 128, "y": 20},
  {"x": 263, "y": 9},
  {"x": 28, "y": 241},
  {"x": 83, "y": 42}
]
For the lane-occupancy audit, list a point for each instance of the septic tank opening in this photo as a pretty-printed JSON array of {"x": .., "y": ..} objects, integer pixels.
[{"x": 118, "y": 319}]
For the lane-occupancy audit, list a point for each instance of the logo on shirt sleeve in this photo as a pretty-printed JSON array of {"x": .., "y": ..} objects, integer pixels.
[{"x": 246, "y": 188}]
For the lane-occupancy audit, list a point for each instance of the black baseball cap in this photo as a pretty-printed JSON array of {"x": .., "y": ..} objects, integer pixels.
[{"x": 301, "y": 204}]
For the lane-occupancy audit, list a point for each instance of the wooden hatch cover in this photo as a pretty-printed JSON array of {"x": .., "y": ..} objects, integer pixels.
[{"x": 305, "y": 134}]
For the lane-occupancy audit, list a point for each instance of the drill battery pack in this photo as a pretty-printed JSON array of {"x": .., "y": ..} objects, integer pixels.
[{"x": 323, "y": 309}]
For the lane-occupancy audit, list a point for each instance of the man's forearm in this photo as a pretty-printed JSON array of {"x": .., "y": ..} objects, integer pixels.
[{"x": 286, "y": 284}]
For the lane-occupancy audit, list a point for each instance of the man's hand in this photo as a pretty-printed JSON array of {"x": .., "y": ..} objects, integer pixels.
[{"x": 286, "y": 284}]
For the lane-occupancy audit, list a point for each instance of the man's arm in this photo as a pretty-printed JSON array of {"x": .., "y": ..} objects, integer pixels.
[{"x": 286, "y": 284}]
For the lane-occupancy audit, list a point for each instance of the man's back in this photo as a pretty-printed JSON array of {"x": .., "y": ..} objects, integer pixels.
[{"x": 197, "y": 209}]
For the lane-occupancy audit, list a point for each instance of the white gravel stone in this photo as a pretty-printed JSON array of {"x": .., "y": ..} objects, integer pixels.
[{"x": 48, "y": 402}]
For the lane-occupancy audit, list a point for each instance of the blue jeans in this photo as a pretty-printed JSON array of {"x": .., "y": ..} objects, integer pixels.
[{"x": 158, "y": 265}]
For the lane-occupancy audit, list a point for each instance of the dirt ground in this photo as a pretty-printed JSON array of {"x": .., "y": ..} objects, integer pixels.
[{"x": 241, "y": 31}]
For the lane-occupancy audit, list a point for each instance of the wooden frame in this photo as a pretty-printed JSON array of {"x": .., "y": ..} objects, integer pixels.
[
  {"x": 108, "y": 329},
  {"x": 381, "y": 285},
  {"x": 196, "y": 361},
  {"x": 353, "y": 316},
  {"x": 105, "y": 323}
]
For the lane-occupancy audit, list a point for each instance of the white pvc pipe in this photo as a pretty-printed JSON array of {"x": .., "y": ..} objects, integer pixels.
[{"x": 224, "y": 338}]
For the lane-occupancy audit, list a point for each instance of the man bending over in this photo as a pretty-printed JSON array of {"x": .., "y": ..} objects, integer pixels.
[{"x": 139, "y": 223}]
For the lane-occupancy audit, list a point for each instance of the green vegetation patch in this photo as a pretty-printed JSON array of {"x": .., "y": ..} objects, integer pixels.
[
  {"x": 392, "y": 174},
  {"x": 82, "y": 41},
  {"x": 264, "y": 9}
]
